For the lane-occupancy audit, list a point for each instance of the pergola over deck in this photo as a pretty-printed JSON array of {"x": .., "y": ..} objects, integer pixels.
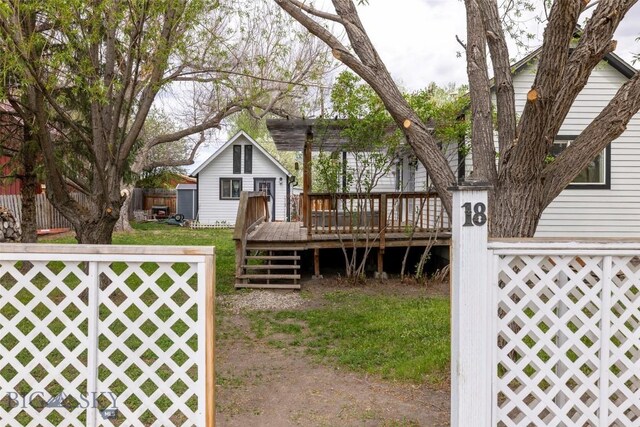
[
  {"x": 332, "y": 220},
  {"x": 307, "y": 136}
]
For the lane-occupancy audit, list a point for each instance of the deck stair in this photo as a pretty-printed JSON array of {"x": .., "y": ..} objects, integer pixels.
[{"x": 267, "y": 268}]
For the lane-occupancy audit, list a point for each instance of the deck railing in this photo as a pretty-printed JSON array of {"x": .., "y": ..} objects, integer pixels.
[
  {"x": 353, "y": 213},
  {"x": 253, "y": 210}
]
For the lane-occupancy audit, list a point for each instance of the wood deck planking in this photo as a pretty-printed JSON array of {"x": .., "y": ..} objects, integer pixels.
[{"x": 293, "y": 235}]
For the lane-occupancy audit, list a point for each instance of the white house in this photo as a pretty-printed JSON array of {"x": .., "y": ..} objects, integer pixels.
[
  {"x": 604, "y": 200},
  {"x": 241, "y": 164}
]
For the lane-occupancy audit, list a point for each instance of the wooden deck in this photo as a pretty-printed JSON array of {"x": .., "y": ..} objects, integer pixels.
[
  {"x": 267, "y": 252},
  {"x": 294, "y": 235}
]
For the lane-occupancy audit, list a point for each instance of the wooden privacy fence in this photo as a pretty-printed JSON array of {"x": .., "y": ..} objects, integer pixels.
[
  {"x": 106, "y": 335},
  {"x": 46, "y": 215},
  {"x": 544, "y": 332},
  {"x": 159, "y": 197}
]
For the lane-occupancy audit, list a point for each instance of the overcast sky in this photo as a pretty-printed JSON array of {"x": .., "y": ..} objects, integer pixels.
[
  {"x": 417, "y": 41},
  {"x": 416, "y": 38}
]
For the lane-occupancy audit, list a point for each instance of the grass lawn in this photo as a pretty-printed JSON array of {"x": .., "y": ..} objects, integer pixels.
[
  {"x": 396, "y": 337},
  {"x": 161, "y": 234}
]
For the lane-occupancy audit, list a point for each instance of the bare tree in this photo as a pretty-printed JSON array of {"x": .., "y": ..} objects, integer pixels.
[
  {"x": 90, "y": 73},
  {"x": 523, "y": 182}
]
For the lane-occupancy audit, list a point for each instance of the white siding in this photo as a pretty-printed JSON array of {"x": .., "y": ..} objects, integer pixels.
[
  {"x": 595, "y": 213},
  {"x": 385, "y": 183},
  {"x": 212, "y": 209},
  {"x": 422, "y": 182},
  {"x": 450, "y": 151}
]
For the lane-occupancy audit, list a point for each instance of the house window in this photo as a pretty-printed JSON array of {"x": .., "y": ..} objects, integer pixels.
[
  {"x": 399, "y": 173},
  {"x": 248, "y": 158},
  {"x": 597, "y": 172},
  {"x": 230, "y": 188},
  {"x": 237, "y": 152}
]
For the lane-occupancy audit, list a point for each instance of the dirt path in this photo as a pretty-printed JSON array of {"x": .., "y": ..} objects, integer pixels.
[{"x": 260, "y": 385}]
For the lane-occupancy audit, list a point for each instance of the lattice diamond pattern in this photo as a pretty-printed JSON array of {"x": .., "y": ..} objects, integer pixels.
[
  {"x": 548, "y": 340},
  {"x": 43, "y": 341},
  {"x": 552, "y": 364},
  {"x": 150, "y": 345},
  {"x": 624, "y": 362},
  {"x": 141, "y": 321}
]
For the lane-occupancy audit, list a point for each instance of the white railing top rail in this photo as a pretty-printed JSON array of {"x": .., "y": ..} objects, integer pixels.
[
  {"x": 614, "y": 246},
  {"x": 39, "y": 248}
]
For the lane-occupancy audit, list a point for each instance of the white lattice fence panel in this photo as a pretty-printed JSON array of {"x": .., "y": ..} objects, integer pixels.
[
  {"x": 623, "y": 388},
  {"x": 127, "y": 332},
  {"x": 548, "y": 340},
  {"x": 149, "y": 340},
  {"x": 43, "y": 342},
  {"x": 568, "y": 335}
]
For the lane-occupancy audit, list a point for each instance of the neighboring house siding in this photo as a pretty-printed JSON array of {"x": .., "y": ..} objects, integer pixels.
[
  {"x": 212, "y": 209},
  {"x": 450, "y": 152},
  {"x": 385, "y": 183},
  {"x": 601, "y": 212}
]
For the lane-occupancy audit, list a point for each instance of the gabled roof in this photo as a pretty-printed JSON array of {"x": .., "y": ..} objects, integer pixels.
[
  {"x": 233, "y": 139},
  {"x": 614, "y": 60}
]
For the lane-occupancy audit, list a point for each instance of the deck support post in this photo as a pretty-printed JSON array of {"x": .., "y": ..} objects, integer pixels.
[
  {"x": 240, "y": 254},
  {"x": 316, "y": 264},
  {"x": 380, "y": 274},
  {"x": 306, "y": 180},
  {"x": 382, "y": 230}
]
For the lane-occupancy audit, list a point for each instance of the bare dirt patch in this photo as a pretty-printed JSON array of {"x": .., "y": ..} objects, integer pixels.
[{"x": 261, "y": 385}]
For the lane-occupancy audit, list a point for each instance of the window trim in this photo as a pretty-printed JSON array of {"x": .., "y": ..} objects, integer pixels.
[
  {"x": 606, "y": 185},
  {"x": 230, "y": 188},
  {"x": 237, "y": 148},
  {"x": 248, "y": 159}
]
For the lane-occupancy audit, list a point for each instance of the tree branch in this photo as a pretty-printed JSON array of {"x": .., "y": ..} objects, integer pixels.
[
  {"x": 528, "y": 152},
  {"x": 370, "y": 67},
  {"x": 482, "y": 124},
  {"x": 178, "y": 162},
  {"x": 609, "y": 125},
  {"x": 505, "y": 96},
  {"x": 208, "y": 124},
  {"x": 461, "y": 43},
  {"x": 160, "y": 61},
  {"x": 319, "y": 13},
  {"x": 594, "y": 44},
  {"x": 340, "y": 52}
]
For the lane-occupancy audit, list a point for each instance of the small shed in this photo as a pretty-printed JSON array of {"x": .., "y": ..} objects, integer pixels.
[{"x": 187, "y": 200}]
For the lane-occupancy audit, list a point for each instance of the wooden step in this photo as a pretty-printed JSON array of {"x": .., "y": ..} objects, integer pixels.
[
  {"x": 269, "y": 276},
  {"x": 267, "y": 286},
  {"x": 270, "y": 267},
  {"x": 260, "y": 248},
  {"x": 275, "y": 257}
]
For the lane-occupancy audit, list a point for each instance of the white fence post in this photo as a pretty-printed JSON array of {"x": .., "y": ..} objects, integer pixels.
[
  {"x": 93, "y": 305},
  {"x": 471, "y": 311}
]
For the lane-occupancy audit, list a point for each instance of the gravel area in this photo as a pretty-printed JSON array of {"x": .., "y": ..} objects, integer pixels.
[{"x": 262, "y": 300}]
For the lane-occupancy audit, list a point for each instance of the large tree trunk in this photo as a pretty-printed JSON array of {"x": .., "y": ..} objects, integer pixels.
[
  {"x": 29, "y": 187},
  {"x": 98, "y": 231},
  {"x": 515, "y": 209}
]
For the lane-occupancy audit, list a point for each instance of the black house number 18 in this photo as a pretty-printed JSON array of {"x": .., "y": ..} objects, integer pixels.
[{"x": 476, "y": 216}]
